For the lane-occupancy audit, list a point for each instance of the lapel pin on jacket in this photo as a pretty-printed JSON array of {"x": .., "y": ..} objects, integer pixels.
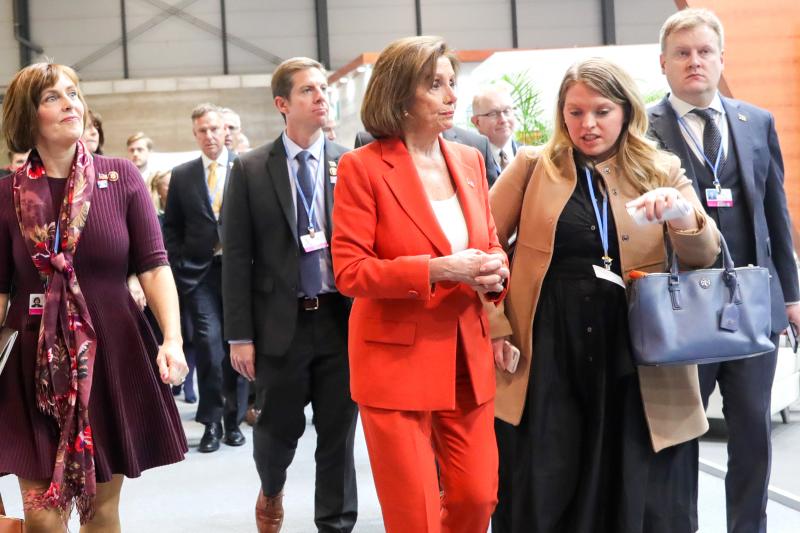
[
  {"x": 742, "y": 117},
  {"x": 102, "y": 181},
  {"x": 332, "y": 171},
  {"x": 113, "y": 176}
]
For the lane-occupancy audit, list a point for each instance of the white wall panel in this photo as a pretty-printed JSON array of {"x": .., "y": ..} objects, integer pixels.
[
  {"x": 358, "y": 26},
  {"x": 285, "y": 29},
  {"x": 559, "y": 23},
  {"x": 639, "y": 22},
  {"x": 469, "y": 24},
  {"x": 71, "y": 31}
]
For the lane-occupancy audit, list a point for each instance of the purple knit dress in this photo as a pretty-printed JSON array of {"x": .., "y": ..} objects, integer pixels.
[{"x": 134, "y": 420}]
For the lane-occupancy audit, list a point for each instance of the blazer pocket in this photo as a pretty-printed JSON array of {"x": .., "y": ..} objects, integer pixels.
[
  {"x": 389, "y": 332},
  {"x": 263, "y": 284}
]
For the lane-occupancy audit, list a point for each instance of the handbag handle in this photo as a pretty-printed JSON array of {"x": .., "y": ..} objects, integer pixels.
[{"x": 729, "y": 274}]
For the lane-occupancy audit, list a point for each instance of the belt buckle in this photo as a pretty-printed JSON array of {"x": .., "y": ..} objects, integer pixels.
[{"x": 311, "y": 304}]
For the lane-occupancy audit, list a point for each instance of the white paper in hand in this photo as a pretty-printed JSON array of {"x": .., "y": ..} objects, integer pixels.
[{"x": 680, "y": 208}]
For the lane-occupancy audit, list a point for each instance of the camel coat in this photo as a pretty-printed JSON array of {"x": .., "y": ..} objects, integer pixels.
[{"x": 529, "y": 201}]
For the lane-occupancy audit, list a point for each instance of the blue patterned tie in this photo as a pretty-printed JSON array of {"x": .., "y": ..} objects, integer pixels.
[
  {"x": 712, "y": 138},
  {"x": 310, "y": 275}
]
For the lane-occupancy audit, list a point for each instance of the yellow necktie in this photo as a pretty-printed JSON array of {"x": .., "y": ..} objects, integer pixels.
[{"x": 216, "y": 196}]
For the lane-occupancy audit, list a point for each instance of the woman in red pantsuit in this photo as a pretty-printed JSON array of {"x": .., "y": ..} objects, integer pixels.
[{"x": 415, "y": 244}]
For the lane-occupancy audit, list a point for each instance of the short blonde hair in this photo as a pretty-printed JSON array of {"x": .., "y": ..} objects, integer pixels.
[
  {"x": 399, "y": 69},
  {"x": 21, "y": 103},
  {"x": 140, "y": 136},
  {"x": 688, "y": 19},
  {"x": 640, "y": 162}
]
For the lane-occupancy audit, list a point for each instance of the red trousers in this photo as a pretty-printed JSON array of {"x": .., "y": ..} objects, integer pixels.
[{"x": 404, "y": 448}]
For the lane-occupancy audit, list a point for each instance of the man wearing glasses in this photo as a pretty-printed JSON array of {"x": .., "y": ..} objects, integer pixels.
[{"x": 493, "y": 115}]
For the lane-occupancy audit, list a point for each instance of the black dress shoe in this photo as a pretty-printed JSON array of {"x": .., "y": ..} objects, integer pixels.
[
  {"x": 234, "y": 437},
  {"x": 211, "y": 437}
]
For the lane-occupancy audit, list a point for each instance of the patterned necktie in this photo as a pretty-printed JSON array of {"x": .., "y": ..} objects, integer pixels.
[
  {"x": 310, "y": 274},
  {"x": 216, "y": 195},
  {"x": 503, "y": 159},
  {"x": 712, "y": 138}
]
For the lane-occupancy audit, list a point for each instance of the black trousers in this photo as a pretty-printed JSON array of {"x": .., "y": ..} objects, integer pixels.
[
  {"x": 314, "y": 370},
  {"x": 746, "y": 388},
  {"x": 223, "y": 392}
]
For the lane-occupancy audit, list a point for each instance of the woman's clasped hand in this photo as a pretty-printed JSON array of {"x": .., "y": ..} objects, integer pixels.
[{"x": 484, "y": 272}]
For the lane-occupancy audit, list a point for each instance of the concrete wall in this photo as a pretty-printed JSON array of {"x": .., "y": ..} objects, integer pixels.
[{"x": 162, "y": 108}]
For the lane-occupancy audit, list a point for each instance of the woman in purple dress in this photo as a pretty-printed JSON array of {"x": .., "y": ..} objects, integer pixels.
[{"x": 84, "y": 397}]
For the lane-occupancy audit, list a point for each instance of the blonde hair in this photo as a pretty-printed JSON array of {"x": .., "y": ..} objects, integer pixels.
[
  {"x": 155, "y": 181},
  {"x": 688, "y": 19},
  {"x": 640, "y": 162},
  {"x": 399, "y": 69},
  {"x": 140, "y": 136},
  {"x": 21, "y": 103}
]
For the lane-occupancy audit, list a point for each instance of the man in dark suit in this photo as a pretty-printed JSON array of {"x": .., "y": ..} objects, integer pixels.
[
  {"x": 192, "y": 238},
  {"x": 455, "y": 134},
  {"x": 284, "y": 319},
  {"x": 493, "y": 116},
  {"x": 730, "y": 149}
]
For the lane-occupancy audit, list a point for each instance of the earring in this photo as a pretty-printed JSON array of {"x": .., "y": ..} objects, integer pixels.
[{"x": 405, "y": 113}]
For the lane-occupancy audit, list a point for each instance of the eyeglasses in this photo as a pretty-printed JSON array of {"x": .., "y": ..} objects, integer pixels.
[{"x": 494, "y": 115}]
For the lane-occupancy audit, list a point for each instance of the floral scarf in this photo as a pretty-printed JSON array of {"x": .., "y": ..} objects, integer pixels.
[{"x": 66, "y": 348}]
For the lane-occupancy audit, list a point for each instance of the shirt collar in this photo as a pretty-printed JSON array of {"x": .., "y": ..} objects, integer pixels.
[
  {"x": 292, "y": 148},
  {"x": 684, "y": 108},
  {"x": 222, "y": 159},
  {"x": 508, "y": 149}
]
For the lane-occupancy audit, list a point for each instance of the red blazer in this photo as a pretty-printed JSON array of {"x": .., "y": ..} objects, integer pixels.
[{"x": 404, "y": 332}]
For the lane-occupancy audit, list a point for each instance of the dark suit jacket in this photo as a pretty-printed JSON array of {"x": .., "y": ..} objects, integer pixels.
[
  {"x": 761, "y": 172},
  {"x": 260, "y": 271},
  {"x": 190, "y": 230},
  {"x": 459, "y": 135}
]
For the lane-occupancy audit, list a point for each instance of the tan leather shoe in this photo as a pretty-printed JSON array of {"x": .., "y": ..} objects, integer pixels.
[
  {"x": 269, "y": 513},
  {"x": 251, "y": 415}
]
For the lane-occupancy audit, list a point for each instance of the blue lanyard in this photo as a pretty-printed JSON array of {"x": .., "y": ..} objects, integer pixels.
[
  {"x": 602, "y": 222},
  {"x": 57, "y": 243},
  {"x": 715, "y": 165},
  {"x": 312, "y": 207}
]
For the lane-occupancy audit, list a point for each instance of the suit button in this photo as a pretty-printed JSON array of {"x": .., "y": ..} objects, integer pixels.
[{"x": 413, "y": 294}]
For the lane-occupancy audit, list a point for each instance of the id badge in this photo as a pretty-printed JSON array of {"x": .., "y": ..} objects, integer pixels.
[
  {"x": 316, "y": 242},
  {"x": 719, "y": 198},
  {"x": 36, "y": 304},
  {"x": 608, "y": 275}
]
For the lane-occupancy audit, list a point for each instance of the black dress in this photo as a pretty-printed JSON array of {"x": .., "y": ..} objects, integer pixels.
[{"x": 578, "y": 461}]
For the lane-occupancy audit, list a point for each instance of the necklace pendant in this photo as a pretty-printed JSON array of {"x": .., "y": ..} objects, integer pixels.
[{"x": 607, "y": 262}]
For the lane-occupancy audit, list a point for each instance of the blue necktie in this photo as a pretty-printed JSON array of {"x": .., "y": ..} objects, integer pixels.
[
  {"x": 712, "y": 138},
  {"x": 310, "y": 275}
]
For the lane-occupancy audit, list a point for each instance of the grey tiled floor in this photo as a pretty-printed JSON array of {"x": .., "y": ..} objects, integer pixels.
[{"x": 216, "y": 492}]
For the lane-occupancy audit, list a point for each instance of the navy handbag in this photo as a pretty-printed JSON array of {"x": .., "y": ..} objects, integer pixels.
[{"x": 700, "y": 316}]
